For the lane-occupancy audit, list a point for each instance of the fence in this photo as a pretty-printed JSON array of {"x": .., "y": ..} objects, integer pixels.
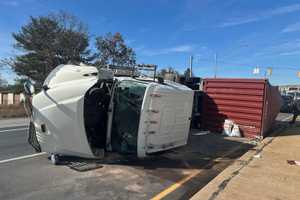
[{"x": 7, "y": 98}]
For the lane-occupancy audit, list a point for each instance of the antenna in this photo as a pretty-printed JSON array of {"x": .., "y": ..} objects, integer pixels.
[
  {"x": 216, "y": 64},
  {"x": 191, "y": 66}
]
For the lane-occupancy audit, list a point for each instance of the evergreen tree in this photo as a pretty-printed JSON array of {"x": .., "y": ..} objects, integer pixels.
[{"x": 48, "y": 41}]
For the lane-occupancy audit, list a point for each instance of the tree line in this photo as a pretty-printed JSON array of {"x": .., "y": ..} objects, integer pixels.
[
  {"x": 45, "y": 42},
  {"x": 48, "y": 41}
]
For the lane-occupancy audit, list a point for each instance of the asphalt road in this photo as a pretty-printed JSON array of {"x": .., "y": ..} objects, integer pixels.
[
  {"x": 175, "y": 174},
  {"x": 13, "y": 142}
]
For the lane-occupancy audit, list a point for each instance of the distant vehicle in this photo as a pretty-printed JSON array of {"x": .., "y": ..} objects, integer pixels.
[
  {"x": 294, "y": 95},
  {"x": 85, "y": 112},
  {"x": 287, "y": 103}
]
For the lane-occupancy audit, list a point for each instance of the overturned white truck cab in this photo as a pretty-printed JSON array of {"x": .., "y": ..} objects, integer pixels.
[{"x": 85, "y": 112}]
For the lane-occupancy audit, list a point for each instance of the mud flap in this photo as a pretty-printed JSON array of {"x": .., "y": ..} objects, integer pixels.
[{"x": 32, "y": 139}]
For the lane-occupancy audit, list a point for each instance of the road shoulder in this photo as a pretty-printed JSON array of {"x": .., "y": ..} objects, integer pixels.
[{"x": 262, "y": 172}]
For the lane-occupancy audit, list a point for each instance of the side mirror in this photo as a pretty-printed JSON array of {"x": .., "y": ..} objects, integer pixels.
[{"x": 28, "y": 88}]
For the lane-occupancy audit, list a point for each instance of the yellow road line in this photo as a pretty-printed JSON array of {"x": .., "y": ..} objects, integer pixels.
[
  {"x": 176, "y": 185},
  {"x": 182, "y": 181}
]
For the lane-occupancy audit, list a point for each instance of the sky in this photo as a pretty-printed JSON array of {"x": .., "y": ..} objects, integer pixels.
[{"x": 243, "y": 34}]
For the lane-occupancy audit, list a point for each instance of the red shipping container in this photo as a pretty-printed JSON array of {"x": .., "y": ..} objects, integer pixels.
[{"x": 253, "y": 104}]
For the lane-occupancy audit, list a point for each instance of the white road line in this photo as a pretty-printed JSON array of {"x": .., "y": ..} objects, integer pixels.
[
  {"x": 15, "y": 129},
  {"x": 22, "y": 157},
  {"x": 13, "y": 125}
]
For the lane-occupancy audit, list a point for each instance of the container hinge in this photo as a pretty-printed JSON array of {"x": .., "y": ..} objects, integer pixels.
[{"x": 153, "y": 111}]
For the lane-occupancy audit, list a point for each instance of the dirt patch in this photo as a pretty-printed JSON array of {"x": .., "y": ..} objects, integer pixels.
[{"x": 12, "y": 111}]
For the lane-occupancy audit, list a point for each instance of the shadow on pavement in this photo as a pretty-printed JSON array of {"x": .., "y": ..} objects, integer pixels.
[{"x": 207, "y": 153}]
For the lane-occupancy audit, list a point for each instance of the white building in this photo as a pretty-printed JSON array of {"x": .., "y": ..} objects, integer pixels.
[{"x": 289, "y": 88}]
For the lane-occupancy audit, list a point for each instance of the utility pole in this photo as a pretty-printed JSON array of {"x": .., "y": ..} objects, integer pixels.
[
  {"x": 191, "y": 66},
  {"x": 216, "y": 65},
  {"x": 256, "y": 71},
  {"x": 268, "y": 72}
]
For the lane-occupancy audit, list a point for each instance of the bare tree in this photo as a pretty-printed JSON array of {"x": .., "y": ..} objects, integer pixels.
[{"x": 113, "y": 50}]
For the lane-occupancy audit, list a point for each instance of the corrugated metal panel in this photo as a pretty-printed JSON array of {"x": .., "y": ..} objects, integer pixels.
[
  {"x": 273, "y": 102},
  {"x": 251, "y": 103}
]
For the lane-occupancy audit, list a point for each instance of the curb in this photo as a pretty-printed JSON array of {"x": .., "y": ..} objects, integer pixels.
[{"x": 219, "y": 183}]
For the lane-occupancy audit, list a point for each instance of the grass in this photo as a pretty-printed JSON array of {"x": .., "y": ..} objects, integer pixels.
[{"x": 12, "y": 111}]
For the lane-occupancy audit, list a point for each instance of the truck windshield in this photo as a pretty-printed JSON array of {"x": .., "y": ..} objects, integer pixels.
[{"x": 128, "y": 99}]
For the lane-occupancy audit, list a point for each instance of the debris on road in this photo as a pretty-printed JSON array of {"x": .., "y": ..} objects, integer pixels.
[
  {"x": 257, "y": 156},
  {"x": 227, "y": 127},
  {"x": 294, "y": 162},
  {"x": 201, "y": 133}
]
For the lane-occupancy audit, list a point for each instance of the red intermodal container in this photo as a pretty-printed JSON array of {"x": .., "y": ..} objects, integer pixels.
[{"x": 253, "y": 104}]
